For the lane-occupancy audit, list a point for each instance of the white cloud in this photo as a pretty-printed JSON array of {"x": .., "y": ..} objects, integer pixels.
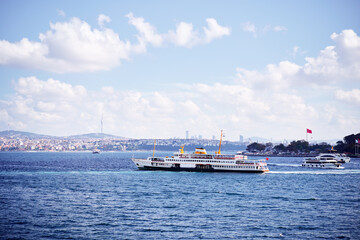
[
  {"x": 75, "y": 46},
  {"x": 50, "y": 89},
  {"x": 248, "y": 27},
  {"x": 147, "y": 32},
  {"x": 282, "y": 100},
  {"x": 279, "y": 28},
  {"x": 190, "y": 107},
  {"x": 347, "y": 46},
  {"x": 352, "y": 96},
  {"x": 297, "y": 52},
  {"x": 276, "y": 76},
  {"x": 39, "y": 105},
  {"x": 214, "y": 30},
  {"x": 300, "y": 95},
  {"x": 338, "y": 63},
  {"x": 77, "y": 43},
  {"x": 186, "y": 36},
  {"x": 15, "y": 53},
  {"x": 61, "y": 13},
  {"x": 347, "y": 49},
  {"x": 290, "y": 106},
  {"x": 325, "y": 64},
  {"x": 251, "y": 28},
  {"x": 102, "y": 19},
  {"x": 330, "y": 68},
  {"x": 69, "y": 109},
  {"x": 68, "y": 47}
]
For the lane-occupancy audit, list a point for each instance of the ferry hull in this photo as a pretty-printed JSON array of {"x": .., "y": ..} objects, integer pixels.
[
  {"x": 322, "y": 166},
  {"x": 143, "y": 164},
  {"x": 199, "y": 170}
]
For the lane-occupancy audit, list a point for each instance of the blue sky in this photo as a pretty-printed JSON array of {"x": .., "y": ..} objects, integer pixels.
[{"x": 155, "y": 69}]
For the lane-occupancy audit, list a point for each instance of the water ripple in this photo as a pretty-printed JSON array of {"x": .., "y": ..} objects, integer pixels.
[{"x": 76, "y": 196}]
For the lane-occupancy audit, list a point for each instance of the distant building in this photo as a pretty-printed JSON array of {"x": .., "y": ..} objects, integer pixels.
[
  {"x": 187, "y": 134},
  {"x": 241, "y": 138}
]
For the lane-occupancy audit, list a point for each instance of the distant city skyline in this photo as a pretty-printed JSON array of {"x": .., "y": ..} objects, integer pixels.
[{"x": 159, "y": 69}]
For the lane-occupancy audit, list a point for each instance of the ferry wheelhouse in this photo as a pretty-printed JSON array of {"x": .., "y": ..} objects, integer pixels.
[{"x": 340, "y": 158}]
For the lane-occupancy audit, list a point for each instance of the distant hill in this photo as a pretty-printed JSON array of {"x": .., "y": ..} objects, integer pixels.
[
  {"x": 96, "y": 135},
  {"x": 29, "y": 135},
  {"x": 19, "y": 134},
  {"x": 257, "y": 139}
]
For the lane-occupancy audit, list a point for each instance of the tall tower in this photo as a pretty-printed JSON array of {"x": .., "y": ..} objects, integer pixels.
[
  {"x": 241, "y": 138},
  {"x": 187, "y": 134},
  {"x": 102, "y": 116}
]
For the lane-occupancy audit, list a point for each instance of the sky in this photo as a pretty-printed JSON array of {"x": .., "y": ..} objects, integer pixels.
[{"x": 156, "y": 69}]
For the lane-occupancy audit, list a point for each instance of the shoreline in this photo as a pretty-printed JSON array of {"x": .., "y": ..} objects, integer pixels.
[{"x": 144, "y": 151}]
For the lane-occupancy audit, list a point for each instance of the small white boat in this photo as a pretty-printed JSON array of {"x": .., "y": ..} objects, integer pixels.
[
  {"x": 96, "y": 151},
  {"x": 322, "y": 161}
]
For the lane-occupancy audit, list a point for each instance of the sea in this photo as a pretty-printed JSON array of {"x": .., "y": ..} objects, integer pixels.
[{"x": 80, "y": 195}]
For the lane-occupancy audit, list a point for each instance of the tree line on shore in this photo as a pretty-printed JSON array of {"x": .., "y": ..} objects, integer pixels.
[{"x": 348, "y": 146}]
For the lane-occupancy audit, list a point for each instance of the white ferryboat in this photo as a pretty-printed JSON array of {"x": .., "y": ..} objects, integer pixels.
[
  {"x": 322, "y": 161},
  {"x": 201, "y": 161}
]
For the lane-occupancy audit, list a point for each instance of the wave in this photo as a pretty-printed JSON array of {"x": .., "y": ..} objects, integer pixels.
[{"x": 308, "y": 199}]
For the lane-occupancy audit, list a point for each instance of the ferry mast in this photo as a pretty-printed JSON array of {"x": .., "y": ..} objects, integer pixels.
[{"x": 219, "y": 152}]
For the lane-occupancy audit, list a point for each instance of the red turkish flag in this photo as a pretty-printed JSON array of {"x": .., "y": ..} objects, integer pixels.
[{"x": 308, "y": 130}]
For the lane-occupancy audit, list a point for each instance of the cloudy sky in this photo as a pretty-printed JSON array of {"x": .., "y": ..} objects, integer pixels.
[{"x": 154, "y": 69}]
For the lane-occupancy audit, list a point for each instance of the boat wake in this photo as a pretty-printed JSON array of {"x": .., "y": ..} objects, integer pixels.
[
  {"x": 284, "y": 164},
  {"x": 318, "y": 172}
]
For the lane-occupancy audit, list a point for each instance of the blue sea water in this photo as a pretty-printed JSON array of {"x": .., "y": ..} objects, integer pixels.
[{"x": 104, "y": 196}]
